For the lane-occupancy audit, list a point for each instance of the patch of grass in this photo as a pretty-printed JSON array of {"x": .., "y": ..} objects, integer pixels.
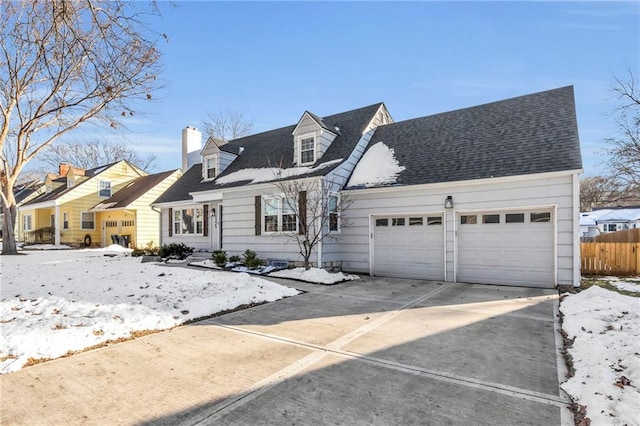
[{"x": 587, "y": 282}]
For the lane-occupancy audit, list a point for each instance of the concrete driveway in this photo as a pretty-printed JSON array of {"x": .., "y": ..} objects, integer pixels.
[{"x": 377, "y": 351}]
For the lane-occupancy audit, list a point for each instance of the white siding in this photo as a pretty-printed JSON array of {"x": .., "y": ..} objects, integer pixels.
[
  {"x": 503, "y": 194},
  {"x": 238, "y": 229},
  {"x": 224, "y": 159},
  {"x": 309, "y": 126},
  {"x": 198, "y": 242}
]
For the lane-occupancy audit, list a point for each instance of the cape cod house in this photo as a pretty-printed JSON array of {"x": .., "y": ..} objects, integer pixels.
[{"x": 487, "y": 194}]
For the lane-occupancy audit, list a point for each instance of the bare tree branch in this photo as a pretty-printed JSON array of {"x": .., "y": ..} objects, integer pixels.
[
  {"x": 94, "y": 153},
  {"x": 226, "y": 125},
  {"x": 64, "y": 63}
]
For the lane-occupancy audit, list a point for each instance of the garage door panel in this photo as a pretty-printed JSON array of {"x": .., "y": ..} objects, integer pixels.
[
  {"x": 409, "y": 251},
  {"x": 506, "y": 253}
]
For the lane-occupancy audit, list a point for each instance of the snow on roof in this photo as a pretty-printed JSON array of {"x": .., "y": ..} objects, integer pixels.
[
  {"x": 609, "y": 215},
  {"x": 266, "y": 174},
  {"x": 378, "y": 166}
]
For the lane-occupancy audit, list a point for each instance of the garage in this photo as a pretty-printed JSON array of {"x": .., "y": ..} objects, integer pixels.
[
  {"x": 509, "y": 248},
  {"x": 410, "y": 246}
]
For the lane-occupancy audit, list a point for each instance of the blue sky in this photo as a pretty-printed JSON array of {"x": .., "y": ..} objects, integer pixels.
[{"x": 274, "y": 60}]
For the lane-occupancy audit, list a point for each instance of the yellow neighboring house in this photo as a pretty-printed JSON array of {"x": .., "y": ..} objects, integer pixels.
[{"x": 96, "y": 207}]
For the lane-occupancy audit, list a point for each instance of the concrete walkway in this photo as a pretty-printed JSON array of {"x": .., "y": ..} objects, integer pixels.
[{"x": 377, "y": 351}]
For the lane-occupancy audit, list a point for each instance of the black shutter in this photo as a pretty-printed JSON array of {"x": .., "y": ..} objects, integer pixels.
[
  {"x": 302, "y": 212},
  {"x": 170, "y": 222},
  {"x": 205, "y": 220},
  {"x": 258, "y": 215}
]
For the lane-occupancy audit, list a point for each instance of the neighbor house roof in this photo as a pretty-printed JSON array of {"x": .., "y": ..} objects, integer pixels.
[
  {"x": 621, "y": 215},
  {"x": 134, "y": 190},
  {"x": 62, "y": 189},
  {"x": 274, "y": 149},
  {"x": 529, "y": 134}
]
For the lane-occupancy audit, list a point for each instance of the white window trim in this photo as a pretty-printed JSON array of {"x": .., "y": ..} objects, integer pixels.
[
  {"x": 25, "y": 222},
  {"x": 216, "y": 166},
  {"x": 337, "y": 212},
  {"x": 281, "y": 203},
  {"x": 100, "y": 188},
  {"x": 94, "y": 221},
  {"x": 195, "y": 221},
  {"x": 299, "y": 147}
]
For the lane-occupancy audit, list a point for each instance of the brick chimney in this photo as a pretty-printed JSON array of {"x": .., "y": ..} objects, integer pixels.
[{"x": 63, "y": 169}]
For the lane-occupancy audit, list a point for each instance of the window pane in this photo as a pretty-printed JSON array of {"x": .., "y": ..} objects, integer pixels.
[
  {"x": 397, "y": 221},
  {"x": 333, "y": 203},
  {"x": 333, "y": 221},
  {"x": 271, "y": 223},
  {"x": 515, "y": 217},
  {"x": 468, "y": 219},
  {"x": 541, "y": 217},
  {"x": 270, "y": 206},
  {"x": 288, "y": 222},
  {"x": 490, "y": 218},
  {"x": 288, "y": 207},
  {"x": 382, "y": 222},
  {"x": 307, "y": 150},
  {"x": 415, "y": 221},
  {"x": 434, "y": 220},
  {"x": 105, "y": 188},
  {"x": 187, "y": 221}
]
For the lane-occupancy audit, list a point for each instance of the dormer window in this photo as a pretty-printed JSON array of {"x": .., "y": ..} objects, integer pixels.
[
  {"x": 104, "y": 189},
  {"x": 210, "y": 165},
  {"x": 307, "y": 149}
]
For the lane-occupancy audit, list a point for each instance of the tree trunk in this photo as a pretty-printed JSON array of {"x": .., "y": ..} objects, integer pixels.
[{"x": 8, "y": 228}]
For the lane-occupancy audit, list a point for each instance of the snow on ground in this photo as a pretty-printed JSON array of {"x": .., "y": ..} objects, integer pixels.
[
  {"x": 52, "y": 302},
  {"x": 606, "y": 354},
  {"x": 46, "y": 247},
  {"x": 629, "y": 284},
  {"x": 314, "y": 275}
]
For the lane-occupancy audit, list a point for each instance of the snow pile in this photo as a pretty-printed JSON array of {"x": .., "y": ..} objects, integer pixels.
[
  {"x": 378, "y": 166},
  {"x": 606, "y": 354},
  {"x": 60, "y": 301},
  {"x": 314, "y": 275}
]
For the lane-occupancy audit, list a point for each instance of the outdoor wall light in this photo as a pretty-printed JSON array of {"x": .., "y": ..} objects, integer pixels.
[{"x": 448, "y": 202}]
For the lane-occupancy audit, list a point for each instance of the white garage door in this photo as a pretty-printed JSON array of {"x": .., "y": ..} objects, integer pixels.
[
  {"x": 409, "y": 247},
  {"x": 509, "y": 248}
]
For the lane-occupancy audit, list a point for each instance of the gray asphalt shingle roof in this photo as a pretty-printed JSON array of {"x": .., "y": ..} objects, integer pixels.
[
  {"x": 535, "y": 133},
  {"x": 274, "y": 148}
]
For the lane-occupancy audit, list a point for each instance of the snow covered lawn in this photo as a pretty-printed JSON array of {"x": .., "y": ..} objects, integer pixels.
[
  {"x": 605, "y": 352},
  {"x": 54, "y": 302}
]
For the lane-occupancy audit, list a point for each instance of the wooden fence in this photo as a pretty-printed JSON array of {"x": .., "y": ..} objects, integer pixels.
[
  {"x": 626, "y": 236},
  {"x": 610, "y": 258}
]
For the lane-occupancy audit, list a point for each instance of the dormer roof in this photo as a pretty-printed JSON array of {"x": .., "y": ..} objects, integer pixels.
[{"x": 317, "y": 119}]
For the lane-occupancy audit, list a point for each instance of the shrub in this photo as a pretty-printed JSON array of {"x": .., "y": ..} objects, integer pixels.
[
  {"x": 219, "y": 258},
  {"x": 175, "y": 251},
  {"x": 251, "y": 259},
  {"x": 234, "y": 259},
  {"x": 148, "y": 250}
]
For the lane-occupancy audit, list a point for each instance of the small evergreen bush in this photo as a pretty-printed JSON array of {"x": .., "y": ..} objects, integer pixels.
[
  {"x": 234, "y": 259},
  {"x": 251, "y": 259},
  {"x": 219, "y": 258},
  {"x": 175, "y": 251}
]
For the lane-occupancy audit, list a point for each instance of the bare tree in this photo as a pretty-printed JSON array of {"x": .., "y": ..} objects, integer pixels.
[
  {"x": 64, "y": 63},
  {"x": 625, "y": 148},
  {"x": 317, "y": 208},
  {"x": 226, "y": 125},
  {"x": 606, "y": 191},
  {"x": 94, "y": 153}
]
